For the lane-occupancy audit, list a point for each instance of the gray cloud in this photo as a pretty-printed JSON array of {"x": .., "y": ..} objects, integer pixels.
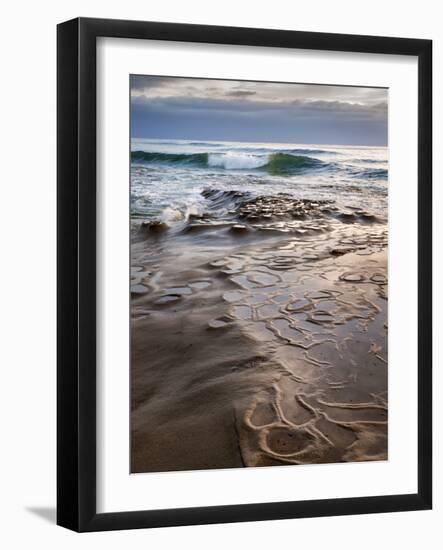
[
  {"x": 142, "y": 82},
  {"x": 257, "y": 111},
  {"x": 241, "y": 93},
  {"x": 238, "y": 105},
  {"x": 273, "y": 92}
]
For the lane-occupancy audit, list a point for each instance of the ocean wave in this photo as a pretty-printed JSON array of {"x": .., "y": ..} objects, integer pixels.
[
  {"x": 273, "y": 163},
  {"x": 224, "y": 200},
  {"x": 310, "y": 152},
  {"x": 369, "y": 173},
  {"x": 205, "y": 144},
  {"x": 193, "y": 159},
  {"x": 281, "y": 163}
]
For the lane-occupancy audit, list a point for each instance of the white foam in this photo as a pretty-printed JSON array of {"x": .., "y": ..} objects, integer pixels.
[
  {"x": 176, "y": 213},
  {"x": 171, "y": 215},
  {"x": 237, "y": 161}
]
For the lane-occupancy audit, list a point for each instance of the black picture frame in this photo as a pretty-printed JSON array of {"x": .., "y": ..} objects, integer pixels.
[{"x": 76, "y": 265}]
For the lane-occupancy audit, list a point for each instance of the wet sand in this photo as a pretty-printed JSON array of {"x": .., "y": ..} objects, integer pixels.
[{"x": 259, "y": 338}]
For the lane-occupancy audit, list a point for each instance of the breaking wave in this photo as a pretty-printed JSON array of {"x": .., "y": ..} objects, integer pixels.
[{"x": 273, "y": 163}]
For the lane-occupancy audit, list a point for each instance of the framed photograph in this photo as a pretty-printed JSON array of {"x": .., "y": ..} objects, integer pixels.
[{"x": 244, "y": 274}]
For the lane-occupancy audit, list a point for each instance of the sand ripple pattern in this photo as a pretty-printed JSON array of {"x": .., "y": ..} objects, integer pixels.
[
  {"x": 313, "y": 307},
  {"x": 323, "y": 328}
]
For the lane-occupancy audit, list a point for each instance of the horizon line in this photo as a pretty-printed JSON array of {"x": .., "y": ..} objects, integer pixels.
[{"x": 268, "y": 142}]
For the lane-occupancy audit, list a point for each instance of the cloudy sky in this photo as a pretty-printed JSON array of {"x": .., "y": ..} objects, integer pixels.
[{"x": 223, "y": 110}]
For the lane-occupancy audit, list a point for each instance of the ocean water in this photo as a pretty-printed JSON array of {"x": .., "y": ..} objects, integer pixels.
[{"x": 170, "y": 178}]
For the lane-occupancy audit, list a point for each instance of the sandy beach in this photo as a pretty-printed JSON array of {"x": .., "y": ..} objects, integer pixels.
[{"x": 259, "y": 337}]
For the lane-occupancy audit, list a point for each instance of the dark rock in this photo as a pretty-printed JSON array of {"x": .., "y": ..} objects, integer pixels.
[{"x": 154, "y": 226}]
